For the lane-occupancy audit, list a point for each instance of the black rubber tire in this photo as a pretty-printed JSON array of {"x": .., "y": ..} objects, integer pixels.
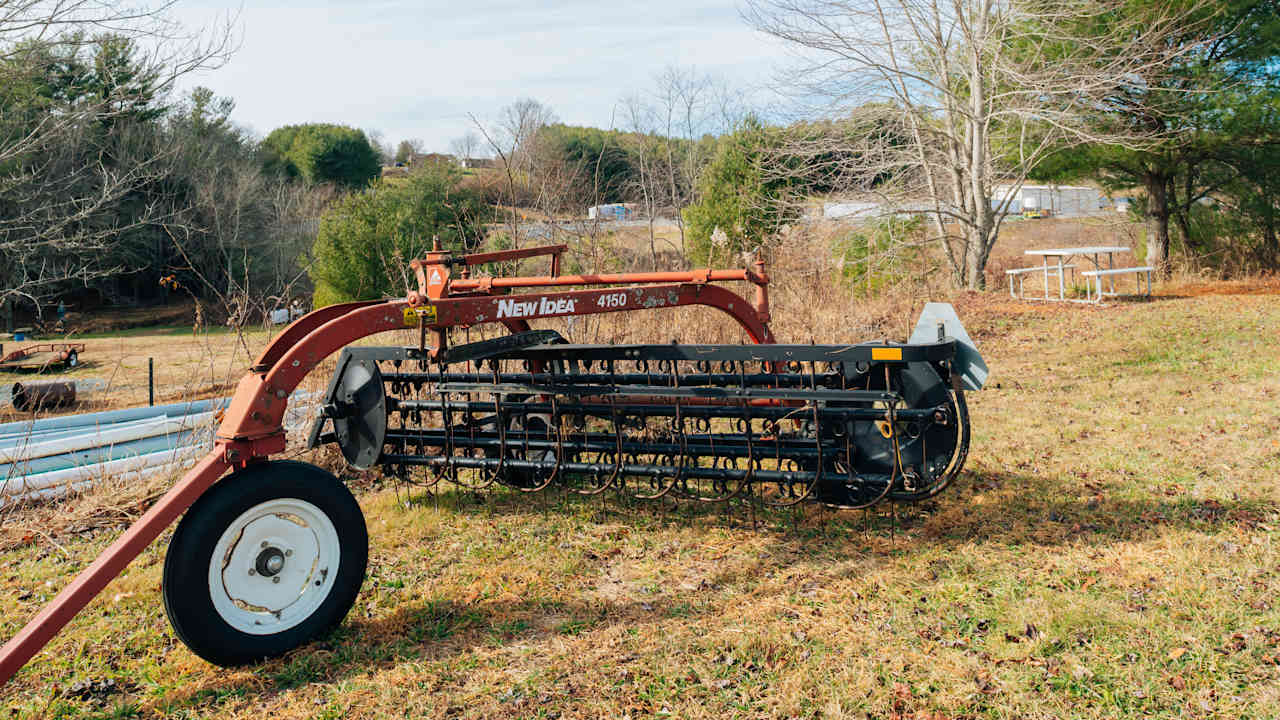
[{"x": 185, "y": 585}]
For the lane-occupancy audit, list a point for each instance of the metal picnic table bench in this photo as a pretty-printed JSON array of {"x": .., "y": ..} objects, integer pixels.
[{"x": 1093, "y": 253}]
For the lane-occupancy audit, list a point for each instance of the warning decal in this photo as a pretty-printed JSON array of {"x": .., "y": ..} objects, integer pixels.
[{"x": 426, "y": 313}]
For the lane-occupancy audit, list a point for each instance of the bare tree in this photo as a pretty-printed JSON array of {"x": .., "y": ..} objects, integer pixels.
[
  {"x": 647, "y": 156},
  {"x": 726, "y": 106},
  {"x": 464, "y": 148},
  {"x": 71, "y": 150},
  {"x": 386, "y": 154},
  {"x": 512, "y": 140},
  {"x": 666, "y": 128},
  {"x": 518, "y": 126},
  {"x": 682, "y": 96},
  {"x": 407, "y": 149},
  {"x": 963, "y": 98},
  {"x": 242, "y": 236}
]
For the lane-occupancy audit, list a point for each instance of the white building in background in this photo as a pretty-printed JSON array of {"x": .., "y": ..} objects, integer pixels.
[
  {"x": 612, "y": 211},
  {"x": 1029, "y": 201},
  {"x": 1052, "y": 200},
  {"x": 849, "y": 210}
]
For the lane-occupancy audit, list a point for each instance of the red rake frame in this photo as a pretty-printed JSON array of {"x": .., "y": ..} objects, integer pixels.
[{"x": 252, "y": 431}]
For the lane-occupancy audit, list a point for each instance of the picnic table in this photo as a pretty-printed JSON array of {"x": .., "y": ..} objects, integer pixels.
[{"x": 1056, "y": 261}]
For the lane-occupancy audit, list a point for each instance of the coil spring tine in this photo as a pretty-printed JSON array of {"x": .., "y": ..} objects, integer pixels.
[
  {"x": 556, "y": 423},
  {"x": 659, "y": 489},
  {"x": 787, "y": 486},
  {"x": 555, "y": 472},
  {"x": 897, "y": 449},
  {"x": 446, "y": 421},
  {"x": 891, "y": 418},
  {"x": 777, "y": 458},
  {"x": 437, "y": 471},
  {"x": 681, "y": 439},
  {"x": 416, "y": 418},
  {"x": 487, "y": 476},
  {"x": 749, "y": 478},
  {"x": 501, "y": 421},
  {"x": 601, "y": 488},
  {"x": 817, "y": 432},
  {"x": 617, "y": 434}
]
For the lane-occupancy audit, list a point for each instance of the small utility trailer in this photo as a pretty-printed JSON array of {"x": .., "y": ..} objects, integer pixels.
[{"x": 42, "y": 356}]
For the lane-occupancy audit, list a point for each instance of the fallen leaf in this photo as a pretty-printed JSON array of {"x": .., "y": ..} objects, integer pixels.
[
  {"x": 1177, "y": 682},
  {"x": 1177, "y": 653}
]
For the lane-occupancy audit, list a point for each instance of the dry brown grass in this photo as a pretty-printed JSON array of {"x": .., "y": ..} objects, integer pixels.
[{"x": 188, "y": 365}]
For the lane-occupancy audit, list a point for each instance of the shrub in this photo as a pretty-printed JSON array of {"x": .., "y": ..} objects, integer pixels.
[
  {"x": 367, "y": 239},
  {"x": 737, "y": 196},
  {"x": 881, "y": 253},
  {"x": 320, "y": 153}
]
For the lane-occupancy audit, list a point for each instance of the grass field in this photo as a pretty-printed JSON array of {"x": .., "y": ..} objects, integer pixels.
[
  {"x": 113, "y": 366},
  {"x": 1111, "y": 551}
]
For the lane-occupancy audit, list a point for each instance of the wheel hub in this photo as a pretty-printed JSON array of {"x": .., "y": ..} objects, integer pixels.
[{"x": 270, "y": 562}]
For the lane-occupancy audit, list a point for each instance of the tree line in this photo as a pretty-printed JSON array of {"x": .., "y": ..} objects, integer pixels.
[{"x": 116, "y": 189}]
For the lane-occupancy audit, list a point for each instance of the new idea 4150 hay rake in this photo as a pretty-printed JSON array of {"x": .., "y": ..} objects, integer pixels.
[{"x": 273, "y": 554}]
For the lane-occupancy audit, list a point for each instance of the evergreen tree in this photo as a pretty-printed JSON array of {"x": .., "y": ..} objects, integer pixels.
[
  {"x": 367, "y": 239},
  {"x": 323, "y": 153}
]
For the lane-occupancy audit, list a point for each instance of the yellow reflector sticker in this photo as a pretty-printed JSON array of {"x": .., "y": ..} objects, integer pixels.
[
  {"x": 426, "y": 313},
  {"x": 886, "y": 353}
]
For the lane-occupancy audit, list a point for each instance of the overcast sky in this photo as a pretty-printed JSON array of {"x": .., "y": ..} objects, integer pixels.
[{"x": 415, "y": 69}]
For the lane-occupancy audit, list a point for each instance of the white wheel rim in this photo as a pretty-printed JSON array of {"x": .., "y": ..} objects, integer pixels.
[{"x": 274, "y": 566}]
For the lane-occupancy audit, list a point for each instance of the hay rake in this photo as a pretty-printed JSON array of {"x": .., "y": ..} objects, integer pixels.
[{"x": 274, "y": 554}]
